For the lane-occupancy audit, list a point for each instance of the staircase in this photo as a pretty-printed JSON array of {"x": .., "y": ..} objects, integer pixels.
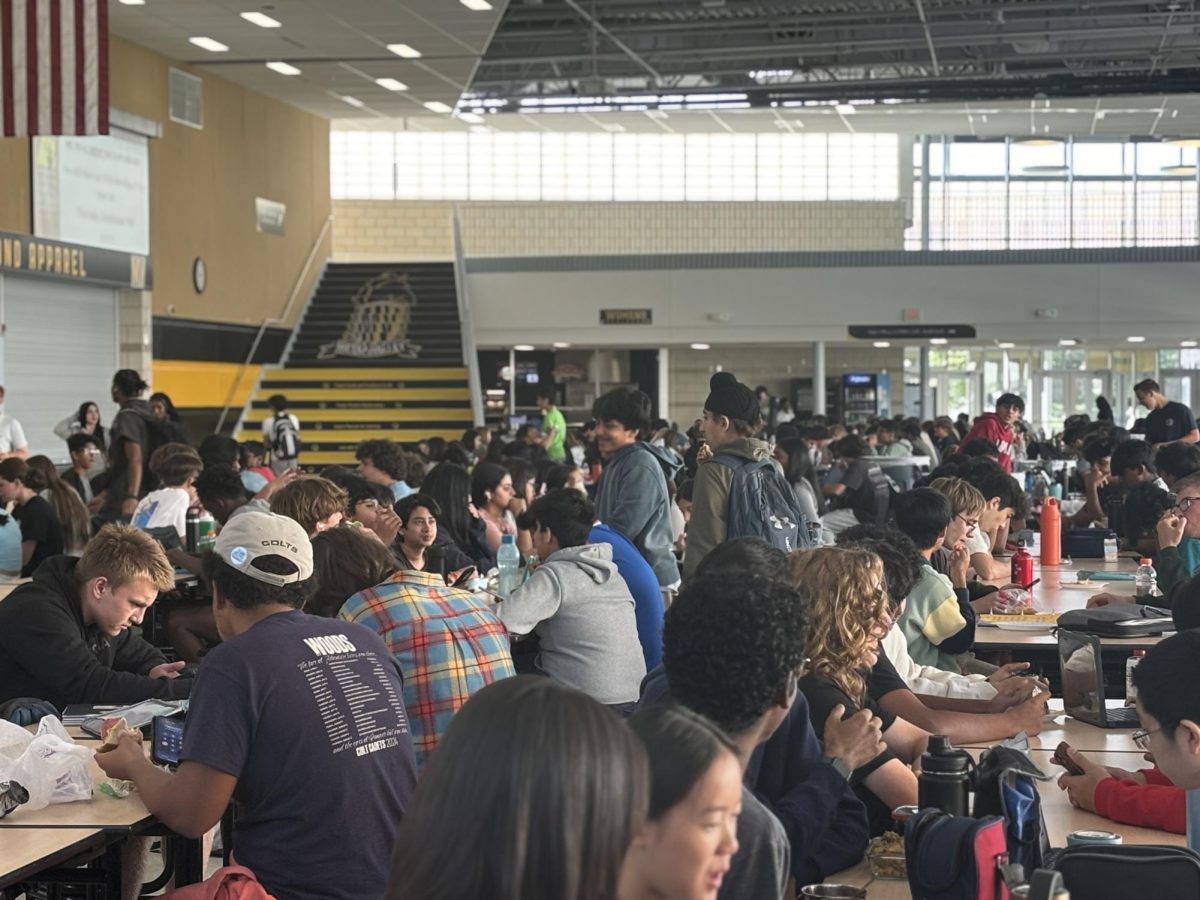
[{"x": 378, "y": 354}]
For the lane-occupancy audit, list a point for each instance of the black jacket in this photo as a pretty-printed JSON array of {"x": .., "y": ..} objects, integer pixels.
[{"x": 47, "y": 652}]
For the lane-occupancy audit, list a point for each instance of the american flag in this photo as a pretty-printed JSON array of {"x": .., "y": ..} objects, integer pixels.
[{"x": 54, "y": 67}]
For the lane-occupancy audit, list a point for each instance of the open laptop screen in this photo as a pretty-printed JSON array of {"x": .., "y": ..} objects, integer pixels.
[{"x": 1082, "y": 680}]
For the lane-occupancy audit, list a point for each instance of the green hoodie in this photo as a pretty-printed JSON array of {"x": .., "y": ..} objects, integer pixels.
[{"x": 710, "y": 501}]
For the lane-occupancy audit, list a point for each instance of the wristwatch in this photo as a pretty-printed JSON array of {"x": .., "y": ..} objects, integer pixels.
[{"x": 839, "y": 766}]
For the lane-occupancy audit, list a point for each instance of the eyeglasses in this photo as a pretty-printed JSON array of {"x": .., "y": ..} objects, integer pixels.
[
  {"x": 1141, "y": 738},
  {"x": 970, "y": 523},
  {"x": 1183, "y": 504}
]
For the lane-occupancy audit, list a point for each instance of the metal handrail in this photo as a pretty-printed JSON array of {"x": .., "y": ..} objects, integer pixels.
[{"x": 277, "y": 320}]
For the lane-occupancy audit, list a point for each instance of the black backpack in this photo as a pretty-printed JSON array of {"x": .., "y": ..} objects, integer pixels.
[
  {"x": 1104, "y": 872},
  {"x": 762, "y": 504},
  {"x": 1118, "y": 620}
]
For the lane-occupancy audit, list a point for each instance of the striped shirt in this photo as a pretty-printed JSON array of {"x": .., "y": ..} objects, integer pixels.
[{"x": 448, "y": 643}]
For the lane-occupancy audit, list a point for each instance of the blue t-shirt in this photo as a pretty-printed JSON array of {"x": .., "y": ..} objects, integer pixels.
[
  {"x": 10, "y": 545},
  {"x": 643, "y": 584},
  {"x": 400, "y": 490},
  {"x": 307, "y": 713},
  {"x": 253, "y": 481}
]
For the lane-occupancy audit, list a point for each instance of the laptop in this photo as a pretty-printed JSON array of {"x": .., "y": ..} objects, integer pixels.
[{"x": 1082, "y": 671}]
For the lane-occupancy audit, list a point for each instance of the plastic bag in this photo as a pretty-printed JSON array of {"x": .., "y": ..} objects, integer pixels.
[
  {"x": 49, "y": 765},
  {"x": 1015, "y": 601}
]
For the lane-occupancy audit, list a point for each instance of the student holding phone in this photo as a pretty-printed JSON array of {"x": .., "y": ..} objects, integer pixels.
[{"x": 1146, "y": 798}]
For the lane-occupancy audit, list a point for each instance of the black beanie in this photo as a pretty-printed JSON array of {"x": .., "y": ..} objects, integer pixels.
[{"x": 729, "y": 397}]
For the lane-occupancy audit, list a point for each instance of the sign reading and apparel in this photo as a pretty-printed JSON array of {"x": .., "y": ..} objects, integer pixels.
[
  {"x": 626, "y": 317},
  {"x": 27, "y": 255},
  {"x": 915, "y": 330}
]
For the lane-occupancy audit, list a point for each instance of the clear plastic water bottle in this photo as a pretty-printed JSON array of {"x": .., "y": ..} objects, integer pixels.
[
  {"x": 508, "y": 566},
  {"x": 1145, "y": 582}
]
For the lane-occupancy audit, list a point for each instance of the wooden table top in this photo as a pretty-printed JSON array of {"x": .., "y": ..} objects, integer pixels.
[
  {"x": 1058, "y": 727},
  {"x": 1052, "y": 595},
  {"x": 27, "y": 851},
  {"x": 1061, "y": 819}
]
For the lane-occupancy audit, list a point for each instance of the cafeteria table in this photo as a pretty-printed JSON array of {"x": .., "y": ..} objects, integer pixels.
[{"x": 26, "y": 852}]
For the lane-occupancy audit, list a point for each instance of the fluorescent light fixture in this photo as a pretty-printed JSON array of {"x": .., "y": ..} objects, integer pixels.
[
  {"x": 845, "y": 109},
  {"x": 1178, "y": 170},
  {"x": 1183, "y": 141},
  {"x": 561, "y": 345},
  {"x": 391, "y": 84},
  {"x": 207, "y": 43},
  {"x": 1068, "y": 342},
  {"x": 882, "y": 345},
  {"x": 438, "y": 106},
  {"x": 353, "y": 101},
  {"x": 1038, "y": 141},
  {"x": 701, "y": 347},
  {"x": 283, "y": 68},
  {"x": 1187, "y": 343},
  {"x": 1044, "y": 170},
  {"x": 405, "y": 50},
  {"x": 133, "y": 2},
  {"x": 938, "y": 341},
  {"x": 262, "y": 20},
  {"x": 1006, "y": 345},
  {"x": 471, "y": 118},
  {"x": 523, "y": 348},
  {"x": 1136, "y": 339},
  {"x": 476, "y": 5}
]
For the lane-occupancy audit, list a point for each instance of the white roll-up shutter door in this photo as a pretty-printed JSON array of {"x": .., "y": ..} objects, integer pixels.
[{"x": 60, "y": 349}]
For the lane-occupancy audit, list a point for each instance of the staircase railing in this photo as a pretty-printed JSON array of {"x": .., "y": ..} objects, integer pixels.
[
  {"x": 470, "y": 356},
  {"x": 281, "y": 319}
]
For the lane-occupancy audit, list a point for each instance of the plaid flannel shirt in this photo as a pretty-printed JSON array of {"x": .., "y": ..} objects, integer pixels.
[{"x": 448, "y": 644}]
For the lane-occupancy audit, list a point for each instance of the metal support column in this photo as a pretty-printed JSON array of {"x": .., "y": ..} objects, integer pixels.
[
  {"x": 927, "y": 410},
  {"x": 819, "y": 378},
  {"x": 664, "y": 383}
]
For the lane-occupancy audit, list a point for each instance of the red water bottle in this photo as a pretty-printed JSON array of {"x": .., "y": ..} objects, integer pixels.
[{"x": 1022, "y": 567}]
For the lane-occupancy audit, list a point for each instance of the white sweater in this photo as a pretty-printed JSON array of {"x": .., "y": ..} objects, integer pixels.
[{"x": 930, "y": 680}]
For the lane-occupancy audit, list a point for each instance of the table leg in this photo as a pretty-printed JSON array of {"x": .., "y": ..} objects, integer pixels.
[{"x": 189, "y": 862}]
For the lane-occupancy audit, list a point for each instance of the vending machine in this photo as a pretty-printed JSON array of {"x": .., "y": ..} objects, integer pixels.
[{"x": 865, "y": 395}]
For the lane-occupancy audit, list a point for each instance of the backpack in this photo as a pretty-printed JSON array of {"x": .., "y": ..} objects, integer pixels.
[
  {"x": 762, "y": 504},
  {"x": 955, "y": 857},
  {"x": 1006, "y": 786},
  {"x": 285, "y": 439},
  {"x": 1103, "y": 872},
  {"x": 1118, "y": 620}
]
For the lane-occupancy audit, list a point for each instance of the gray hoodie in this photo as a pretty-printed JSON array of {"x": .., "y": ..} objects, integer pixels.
[
  {"x": 583, "y": 613},
  {"x": 632, "y": 498}
]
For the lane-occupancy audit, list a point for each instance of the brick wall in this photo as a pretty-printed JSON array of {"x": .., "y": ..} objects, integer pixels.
[{"x": 416, "y": 230}]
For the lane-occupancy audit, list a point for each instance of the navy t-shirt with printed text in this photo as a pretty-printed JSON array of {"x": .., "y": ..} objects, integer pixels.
[{"x": 308, "y": 714}]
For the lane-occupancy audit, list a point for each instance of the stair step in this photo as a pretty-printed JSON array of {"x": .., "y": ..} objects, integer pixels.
[
  {"x": 439, "y": 373},
  {"x": 353, "y": 437},
  {"x": 358, "y": 407},
  {"x": 372, "y": 414},
  {"x": 330, "y": 394},
  {"x": 367, "y": 382}
]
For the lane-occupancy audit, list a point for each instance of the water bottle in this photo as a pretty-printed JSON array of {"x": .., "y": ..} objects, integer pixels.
[
  {"x": 1145, "y": 582},
  {"x": 508, "y": 564},
  {"x": 1022, "y": 566},
  {"x": 1130, "y": 687},
  {"x": 945, "y": 781},
  {"x": 192, "y": 530},
  {"x": 1050, "y": 540}
]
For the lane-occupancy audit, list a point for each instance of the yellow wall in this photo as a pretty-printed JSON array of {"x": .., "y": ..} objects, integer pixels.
[
  {"x": 207, "y": 385},
  {"x": 202, "y": 188}
]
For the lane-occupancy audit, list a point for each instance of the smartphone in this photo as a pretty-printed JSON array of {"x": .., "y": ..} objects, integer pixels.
[
  {"x": 464, "y": 576},
  {"x": 167, "y": 740},
  {"x": 1062, "y": 758}
]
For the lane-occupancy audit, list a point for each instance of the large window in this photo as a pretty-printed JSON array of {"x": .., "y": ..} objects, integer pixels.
[
  {"x": 410, "y": 165},
  {"x": 1011, "y": 195}
]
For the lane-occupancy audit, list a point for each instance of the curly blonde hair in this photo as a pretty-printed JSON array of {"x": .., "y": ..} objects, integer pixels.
[{"x": 848, "y": 606}]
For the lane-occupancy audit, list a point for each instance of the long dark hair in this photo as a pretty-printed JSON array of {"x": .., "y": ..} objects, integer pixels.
[
  {"x": 681, "y": 746},
  {"x": 81, "y": 417},
  {"x": 800, "y": 465},
  {"x": 534, "y": 793},
  {"x": 450, "y": 486},
  {"x": 172, "y": 412},
  {"x": 484, "y": 480},
  {"x": 65, "y": 501}
]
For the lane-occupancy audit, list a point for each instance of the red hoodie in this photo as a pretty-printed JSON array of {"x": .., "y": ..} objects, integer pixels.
[
  {"x": 991, "y": 429},
  {"x": 1155, "y": 804}
]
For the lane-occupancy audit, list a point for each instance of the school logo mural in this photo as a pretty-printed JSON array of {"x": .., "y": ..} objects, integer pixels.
[{"x": 378, "y": 325}]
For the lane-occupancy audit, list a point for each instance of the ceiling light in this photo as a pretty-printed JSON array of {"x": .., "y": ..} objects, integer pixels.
[
  {"x": 1006, "y": 345},
  {"x": 1068, "y": 342},
  {"x": 561, "y": 345},
  {"x": 845, "y": 109},
  {"x": 353, "y": 101},
  {"x": 283, "y": 68},
  {"x": 1178, "y": 170},
  {"x": 1038, "y": 141},
  {"x": 882, "y": 345},
  {"x": 1136, "y": 339},
  {"x": 404, "y": 50},
  {"x": 471, "y": 118},
  {"x": 476, "y": 5},
  {"x": 262, "y": 20},
  {"x": 207, "y": 43},
  {"x": 701, "y": 347},
  {"x": 938, "y": 341},
  {"x": 1183, "y": 141},
  {"x": 134, "y": 2},
  {"x": 523, "y": 348},
  {"x": 479, "y": 129},
  {"x": 391, "y": 84},
  {"x": 1187, "y": 343},
  {"x": 1043, "y": 170},
  {"x": 438, "y": 106}
]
